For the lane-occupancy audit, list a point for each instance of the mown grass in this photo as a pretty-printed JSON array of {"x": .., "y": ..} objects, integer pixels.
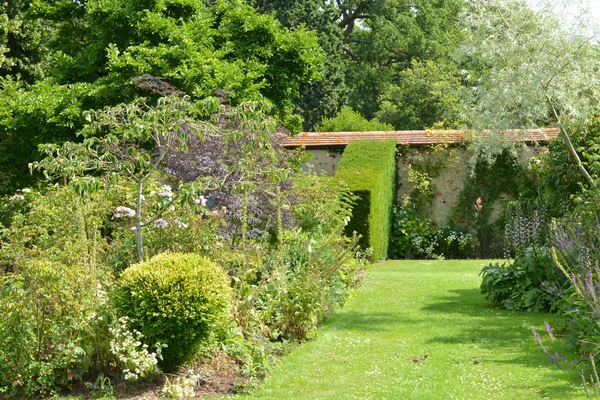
[{"x": 421, "y": 330}]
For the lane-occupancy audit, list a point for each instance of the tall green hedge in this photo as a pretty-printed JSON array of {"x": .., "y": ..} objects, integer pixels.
[{"x": 369, "y": 169}]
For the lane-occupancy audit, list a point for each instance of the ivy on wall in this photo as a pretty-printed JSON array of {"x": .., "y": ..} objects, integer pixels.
[
  {"x": 414, "y": 231},
  {"x": 493, "y": 173},
  {"x": 473, "y": 229}
]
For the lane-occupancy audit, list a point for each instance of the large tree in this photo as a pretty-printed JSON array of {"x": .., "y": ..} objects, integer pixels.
[
  {"x": 22, "y": 40},
  {"x": 531, "y": 68},
  {"x": 368, "y": 43},
  {"x": 105, "y": 53}
]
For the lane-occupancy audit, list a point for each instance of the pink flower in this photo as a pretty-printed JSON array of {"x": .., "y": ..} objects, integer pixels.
[
  {"x": 478, "y": 204},
  {"x": 201, "y": 201},
  {"x": 160, "y": 223},
  {"x": 123, "y": 212}
]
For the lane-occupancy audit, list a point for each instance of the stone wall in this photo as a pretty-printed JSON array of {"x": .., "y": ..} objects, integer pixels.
[{"x": 448, "y": 185}]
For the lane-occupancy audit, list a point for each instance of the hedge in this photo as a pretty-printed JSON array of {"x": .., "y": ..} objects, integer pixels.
[{"x": 368, "y": 167}]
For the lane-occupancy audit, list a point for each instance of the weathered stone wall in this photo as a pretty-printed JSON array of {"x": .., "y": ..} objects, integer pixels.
[
  {"x": 325, "y": 160},
  {"x": 448, "y": 184}
]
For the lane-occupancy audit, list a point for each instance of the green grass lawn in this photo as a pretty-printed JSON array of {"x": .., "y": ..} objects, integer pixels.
[{"x": 422, "y": 330}]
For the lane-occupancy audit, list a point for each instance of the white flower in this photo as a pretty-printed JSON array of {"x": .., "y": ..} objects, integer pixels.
[
  {"x": 161, "y": 223},
  {"x": 166, "y": 191},
  {"x": 17, "y": 197},
  {"x": 123, "y": 212},
  {"x": 180, "y": 224},
  {"x": 26, "y": 190},
  {"x": 133, "y": 228},
  {"x": 201, "y": 201}
]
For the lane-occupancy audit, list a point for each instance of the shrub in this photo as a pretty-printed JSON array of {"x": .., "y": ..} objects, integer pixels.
[
  {"x": 304, "y": 279},
  {"x": 174, "y": 299},
  {"x": 415, "y": 236},
  {"x": 368, "y": 167},
  {"x": 532, "y": 282},
  {"x": 49, "y": 333}
]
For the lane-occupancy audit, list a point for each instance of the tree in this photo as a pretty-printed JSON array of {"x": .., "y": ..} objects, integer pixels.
[
  {"x": 22, "y": 39},
  {"x": 348, "y": 120},
  {"x": 382, "y": 38},
  {"x": 532, "y": 68},
  {"x": 368, "y": 42},
  {"x": 202, "y": 150},
  {"x": 426, "y": 95}
]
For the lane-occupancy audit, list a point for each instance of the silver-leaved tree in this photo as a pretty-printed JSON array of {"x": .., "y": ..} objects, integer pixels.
[{"x": 531, "y": 67}]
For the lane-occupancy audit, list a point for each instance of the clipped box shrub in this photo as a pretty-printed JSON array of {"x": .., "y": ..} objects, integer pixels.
[
  {"x": 368, "y": 167},
  {"x": 174, "y": 299}
]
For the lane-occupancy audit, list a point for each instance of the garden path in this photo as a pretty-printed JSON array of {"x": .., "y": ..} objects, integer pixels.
[{"x": 421, "y": 330}]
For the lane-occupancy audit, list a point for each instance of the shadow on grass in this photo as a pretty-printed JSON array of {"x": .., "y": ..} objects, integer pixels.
[
  {"x": 501, "y": 332},
  {"x": 468, "y": 302},
  {"x": 491, "y": 327},
  {"x": 368, "y": 322}
]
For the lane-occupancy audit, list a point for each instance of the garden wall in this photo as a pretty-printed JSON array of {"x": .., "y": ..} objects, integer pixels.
[{"x": 447, "y": 185}]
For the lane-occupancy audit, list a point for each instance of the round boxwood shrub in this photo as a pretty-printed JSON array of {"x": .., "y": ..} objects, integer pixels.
[{"x": 174, "y": 299}]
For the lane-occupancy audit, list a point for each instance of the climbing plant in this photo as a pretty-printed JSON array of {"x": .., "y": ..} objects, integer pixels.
[
  {"x": 495, "y": 171},
  {"x": 415, "y": 233}
]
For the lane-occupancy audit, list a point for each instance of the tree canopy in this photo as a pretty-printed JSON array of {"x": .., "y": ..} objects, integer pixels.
[
  {"x": 530, "y": 68},
  {"x": 104, "y": 53},
  {"x": 368, "y": 44}
]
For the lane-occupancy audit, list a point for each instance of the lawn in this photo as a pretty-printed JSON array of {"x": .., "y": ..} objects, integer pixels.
[{"x": 421, "y": 330}]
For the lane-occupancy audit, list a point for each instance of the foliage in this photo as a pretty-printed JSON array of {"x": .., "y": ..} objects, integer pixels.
[
  {"x": 22, "y": 41},
  {"x": 285, "y": 292},
  {"x": 322, "y": 98},
  {"x": 563, "y": 188},
  {"x": 530, "y": 283},
  {"x": 32, "y": 115},
  {"x": 369, "y": 170},
  {"x": 575, "y": 251},
  {"x": 426, "y": 95},
  {"x": 195, "y": 46},
  {"x": 323, "y": 205},
  {"x": 495, "y": 171},
  {"x": 348, "y": 120},
  {"x": 174, "y": 299},
  {"x": 575, "y": 254},
  {"x": 307, "y": 279},
  {"x": 57, "y": 226},
  {"x": 534, "y": 67},
  {"x": 225, "y": 49},
  {"x": 128, "y": 130},
  {"x": 414, "y": 236},
  {"x": 252, "y": 170},
  {"x": 382, "y": 38},
  {"x": 50, "y": 335}
]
